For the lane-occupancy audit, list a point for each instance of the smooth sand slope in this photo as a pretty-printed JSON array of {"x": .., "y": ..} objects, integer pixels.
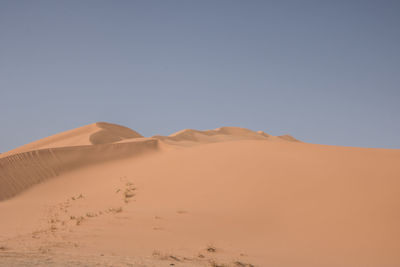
[{"x": 223, "y": 197}]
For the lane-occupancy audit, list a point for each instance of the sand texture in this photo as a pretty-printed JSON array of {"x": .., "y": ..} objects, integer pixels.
[{"x": 103, "y": 195}]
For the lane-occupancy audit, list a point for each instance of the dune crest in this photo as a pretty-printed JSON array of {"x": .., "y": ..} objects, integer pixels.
[
  {"x": 92, "y": 134},
  {"x": 221, "y": 134}
]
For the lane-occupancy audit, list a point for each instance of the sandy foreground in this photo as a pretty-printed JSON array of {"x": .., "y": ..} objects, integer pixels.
[{"x": 103, "y": 195}]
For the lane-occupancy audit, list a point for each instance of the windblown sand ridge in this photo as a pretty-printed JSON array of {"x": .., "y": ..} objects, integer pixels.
[
  {"x": 227, "y": 197},
  {"x": 93, "y": 134},
  {"x": 220, "y": 135}
]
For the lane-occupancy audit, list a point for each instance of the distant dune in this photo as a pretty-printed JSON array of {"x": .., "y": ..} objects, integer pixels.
[
  {"x": 105, "y": 195},
  {"x": 220, "y": 135}
]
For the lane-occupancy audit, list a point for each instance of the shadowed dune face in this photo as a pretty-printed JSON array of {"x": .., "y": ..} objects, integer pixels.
[
  {"x": 23, "y": 170},
  {"x": 49, "y": 157}
]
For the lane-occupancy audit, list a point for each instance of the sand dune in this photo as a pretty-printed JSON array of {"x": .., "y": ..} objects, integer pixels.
[
  {"x": 21, "y": 171},
  {"x": 95, "y": 143},
  {"x": 220, "y": 135},
  {"x": 93, "y": 134},
  {"x": 49, "y": 157},
  {"x": 224, "y": 197}
]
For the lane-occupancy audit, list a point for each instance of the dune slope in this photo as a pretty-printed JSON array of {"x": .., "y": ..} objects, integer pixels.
[
  {"x": 242, "y": 198},
  {"x": 23, "y": 170},
  {"x": 35, "y": 162}
]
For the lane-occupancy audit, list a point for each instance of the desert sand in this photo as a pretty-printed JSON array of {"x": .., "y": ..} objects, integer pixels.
[{"x": 104, "y": 195}]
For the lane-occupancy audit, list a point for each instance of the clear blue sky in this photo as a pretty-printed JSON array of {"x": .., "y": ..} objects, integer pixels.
[{"x": 324, "y": 71}]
